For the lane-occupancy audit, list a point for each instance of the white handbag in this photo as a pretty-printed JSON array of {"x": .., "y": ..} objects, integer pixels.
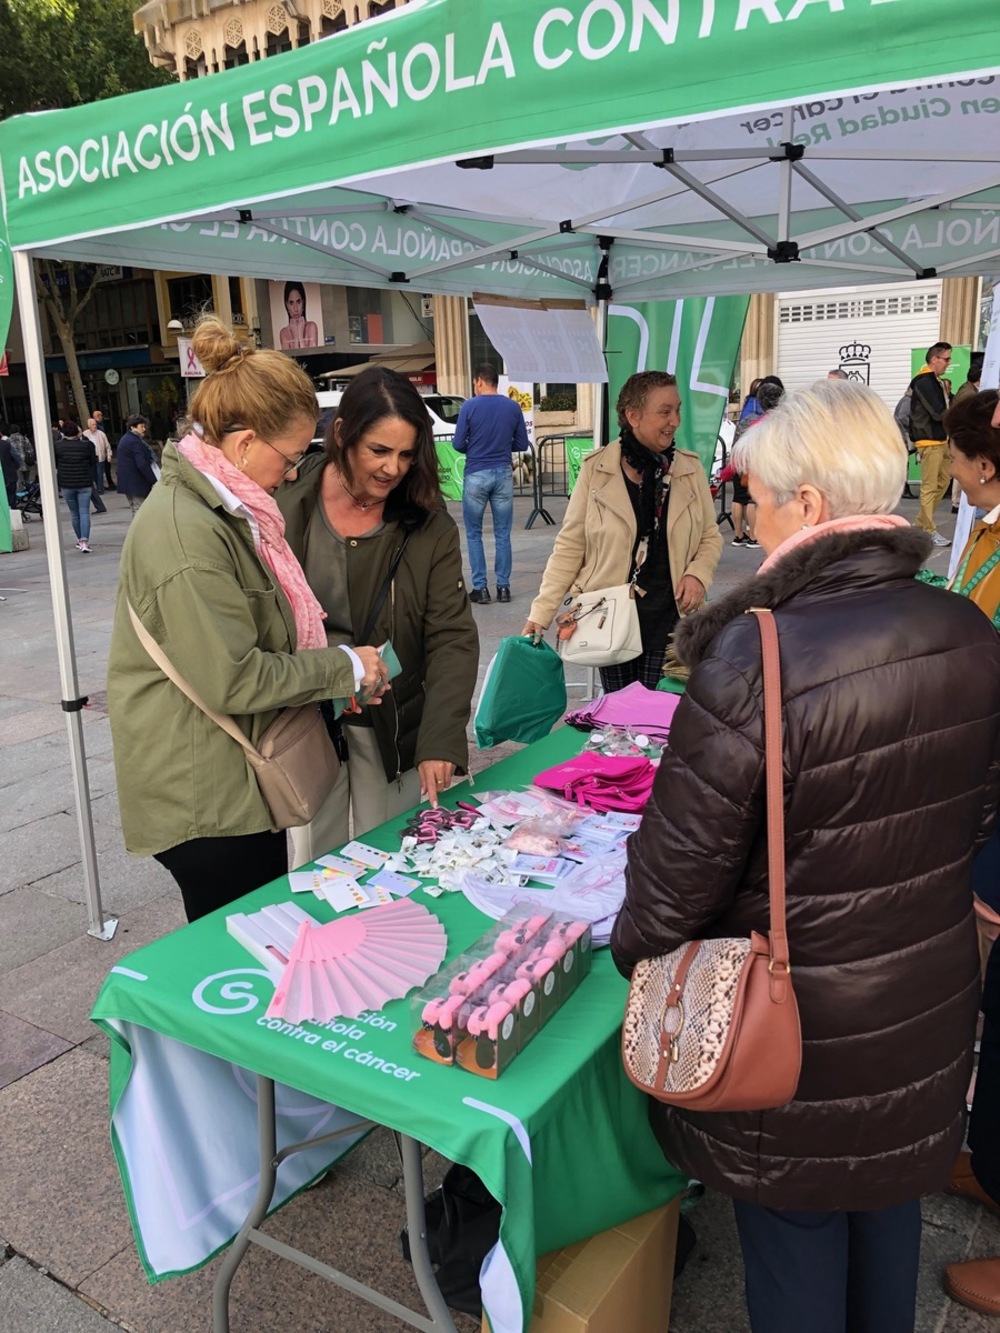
[{"x": 607, "y": 627}]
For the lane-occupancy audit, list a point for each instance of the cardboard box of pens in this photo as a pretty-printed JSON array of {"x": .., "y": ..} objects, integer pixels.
[{"x": 485, "y": 1007}]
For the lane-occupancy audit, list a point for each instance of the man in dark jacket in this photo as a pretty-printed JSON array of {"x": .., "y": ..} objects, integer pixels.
[
  {"x": 75, "y": 459},
  {"x": 9, "y": 465},
  {"x": 929, "y": 399},
  {"x": 136, "y": 477}
]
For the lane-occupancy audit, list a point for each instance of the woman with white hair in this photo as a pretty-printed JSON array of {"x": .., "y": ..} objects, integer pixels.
[{"x": 891, "y": 721}]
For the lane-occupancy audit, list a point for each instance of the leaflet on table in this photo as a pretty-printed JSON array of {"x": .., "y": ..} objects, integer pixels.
[{"x": 593, "y": 892}]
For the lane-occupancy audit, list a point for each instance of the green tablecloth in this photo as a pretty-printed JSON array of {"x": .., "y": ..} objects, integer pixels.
[
  {"x": 451, "y": 468},
  {"x": 561, "y": 1138}
]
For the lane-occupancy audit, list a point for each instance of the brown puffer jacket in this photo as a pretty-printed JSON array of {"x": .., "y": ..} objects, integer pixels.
[{"x": 891, "y": 693}]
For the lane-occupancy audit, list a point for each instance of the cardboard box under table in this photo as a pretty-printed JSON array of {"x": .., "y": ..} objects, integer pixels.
[
  {"x": 562, "y": 1140},
  {"x": 620, "y": 1281}
]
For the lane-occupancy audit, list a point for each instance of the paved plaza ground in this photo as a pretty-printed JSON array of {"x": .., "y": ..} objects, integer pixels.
[{"x": 67, "y": 1260}]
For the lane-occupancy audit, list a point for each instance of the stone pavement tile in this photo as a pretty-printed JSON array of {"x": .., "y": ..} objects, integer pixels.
[
  {"x": 35, "y": 797},
  {"x": 986, "y": 1240},
  {"x": 708, "y": 1295},
  {"x": 57, "y": 991},
  {"x": 32, "y": 923},
  {"x": 127, "y": 882},
  {"x": 30, "y": 759},
  {"x": 344, "y": 1222},
  {"x": 30, "y": 1302},
  {"x": 958, "y": 1319},
  {"x": 938, "y": 1246},
  {"x": 32, "y": 721},
  {"x": 39, "y": 848},
  {"x": 99, "y": 1044},
  {"x": 60, "y": 1193},
  {"x": 375, "y": 1160},
  {"x": 23, "y": 1047}
]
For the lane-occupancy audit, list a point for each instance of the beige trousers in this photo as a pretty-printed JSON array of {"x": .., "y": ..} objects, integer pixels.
[
  {"x": 935, "y": 478},
  {"x": 361, "y": 800}
]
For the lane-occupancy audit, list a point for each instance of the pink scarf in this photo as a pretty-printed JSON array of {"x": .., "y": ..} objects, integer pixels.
[
  {"x": 273, "y": 550},
  {"x": 848, "y": 523}
]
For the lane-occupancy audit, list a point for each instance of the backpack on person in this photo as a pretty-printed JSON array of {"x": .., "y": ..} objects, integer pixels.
[{"x": 24, "y": 447}]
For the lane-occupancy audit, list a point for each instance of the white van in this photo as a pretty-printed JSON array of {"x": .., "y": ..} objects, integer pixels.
[{"x": 443, "y": 410}]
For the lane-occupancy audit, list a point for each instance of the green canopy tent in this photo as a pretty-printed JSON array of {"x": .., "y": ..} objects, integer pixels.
[{"x": 604, "y": 149}]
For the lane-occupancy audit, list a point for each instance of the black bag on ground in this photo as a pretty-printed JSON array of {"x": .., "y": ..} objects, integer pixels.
[{"x": 463, "y": 1225}]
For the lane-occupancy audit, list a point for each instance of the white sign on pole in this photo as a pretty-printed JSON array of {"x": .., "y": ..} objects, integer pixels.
[
  {"x": 191, "y": 367},
  {"x": 524, "y": 395},
  {"x": 544, "y": 346}
]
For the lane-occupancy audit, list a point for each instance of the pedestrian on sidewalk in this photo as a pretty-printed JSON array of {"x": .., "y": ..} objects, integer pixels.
[
  {"x": 930, "y": 395},
  {"x": 490, "y": 430},
  {"x": 75, "y": 458},
  {"x": 880, "y": 920},
  {"x": 136, "y": 477}
]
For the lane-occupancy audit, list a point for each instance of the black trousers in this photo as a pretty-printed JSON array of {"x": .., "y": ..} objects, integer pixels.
[
  {"x": 830, "y": 1272},
  {"x": 984, "y": 1125},
  {"x": 214, "y": 872}
]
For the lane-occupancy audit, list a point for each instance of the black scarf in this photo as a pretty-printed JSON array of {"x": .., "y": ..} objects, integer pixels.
[{"x": 654, "y": 469}]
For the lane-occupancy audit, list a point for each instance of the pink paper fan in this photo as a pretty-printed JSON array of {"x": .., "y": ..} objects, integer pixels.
[{"x": 358, "y": 962}]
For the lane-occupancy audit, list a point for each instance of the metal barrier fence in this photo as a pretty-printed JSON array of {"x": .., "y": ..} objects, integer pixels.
[{"x": 552, "y": 471}]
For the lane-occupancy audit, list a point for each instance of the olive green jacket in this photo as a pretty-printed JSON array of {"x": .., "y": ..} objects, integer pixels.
[
  {"x": 426, "y": 615},
  {"x": 190, "y": 570}
]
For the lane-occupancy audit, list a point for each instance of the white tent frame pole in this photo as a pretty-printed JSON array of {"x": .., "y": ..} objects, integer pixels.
[
  {"x": 822, "y": 188},
  {"x": 101, "y": 927},
  {"x": 600, "y": 386}
]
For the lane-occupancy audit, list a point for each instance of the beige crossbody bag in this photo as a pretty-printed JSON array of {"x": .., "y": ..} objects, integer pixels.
[{"x": 295, "y": 763}]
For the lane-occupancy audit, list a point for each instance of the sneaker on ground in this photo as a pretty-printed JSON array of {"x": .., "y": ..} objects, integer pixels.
[
  {"x": 85, "y": 548},
  {"x": 738, "y": 541},
  {"x": 752, "y": 541},
  {"x": 939, "y": 540}
]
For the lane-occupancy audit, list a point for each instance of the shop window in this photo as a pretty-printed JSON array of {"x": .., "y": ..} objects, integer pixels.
[
  {"x": 303, "y": 33},
  {"x": 236, "y": 303},
  {"x": 480, "y": 347},
  {"x": 374, "y": 8},
  {"x": 328, "y": 26}
]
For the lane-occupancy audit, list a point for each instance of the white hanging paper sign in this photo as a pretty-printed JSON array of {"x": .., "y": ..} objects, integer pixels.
[{"x": 544, "y": 345}]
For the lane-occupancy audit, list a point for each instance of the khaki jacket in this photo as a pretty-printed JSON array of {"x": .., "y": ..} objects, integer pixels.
[
  {"x": 593, "y": 548},
  {"x": 426, "y": 615},
  {"x": 190, "y": 570}
]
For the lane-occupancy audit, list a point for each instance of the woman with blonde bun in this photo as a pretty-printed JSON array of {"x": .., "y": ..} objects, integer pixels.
[{"x": 208, "y": 572}]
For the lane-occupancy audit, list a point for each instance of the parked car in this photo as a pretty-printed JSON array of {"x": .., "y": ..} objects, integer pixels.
[{"x": 443, "y": 410}]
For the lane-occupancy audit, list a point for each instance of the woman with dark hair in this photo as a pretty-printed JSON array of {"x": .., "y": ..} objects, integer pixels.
[
  {"x": 641, "y": 509},
  {"x": 299, "y": 331},
  {"x": 382, "y": 555}
]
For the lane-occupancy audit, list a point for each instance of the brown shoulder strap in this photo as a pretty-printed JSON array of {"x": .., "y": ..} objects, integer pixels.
[
  {"x": 774, "y": 777},
  {"x": 172, "y": 674}
]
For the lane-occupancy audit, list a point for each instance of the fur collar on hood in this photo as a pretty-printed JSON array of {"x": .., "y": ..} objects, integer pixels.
[{"x": 907, "y": 548}]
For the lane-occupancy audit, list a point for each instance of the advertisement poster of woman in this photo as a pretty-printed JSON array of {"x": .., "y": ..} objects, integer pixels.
[{"x": 296, "y": 315}]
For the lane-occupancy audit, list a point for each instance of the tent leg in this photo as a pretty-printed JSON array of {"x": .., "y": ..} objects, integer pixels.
[
  {"x": 600, "y": 389},
  {"x": 103, "y": 928}
]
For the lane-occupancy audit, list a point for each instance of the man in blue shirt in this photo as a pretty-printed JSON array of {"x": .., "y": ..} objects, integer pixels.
[{"x": 490, "y": 429}]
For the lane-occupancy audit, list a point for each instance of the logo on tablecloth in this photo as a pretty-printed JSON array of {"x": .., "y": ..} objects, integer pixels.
[{"x": 232, "y": 997}]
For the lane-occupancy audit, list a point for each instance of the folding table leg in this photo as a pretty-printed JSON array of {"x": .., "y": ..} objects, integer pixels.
[
  {"x": 416, "y": 1220},
  {"x": 267, "y": 1147}
]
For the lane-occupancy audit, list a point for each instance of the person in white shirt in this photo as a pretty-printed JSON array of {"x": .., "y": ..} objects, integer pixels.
[{"x": 102, "y": 445}]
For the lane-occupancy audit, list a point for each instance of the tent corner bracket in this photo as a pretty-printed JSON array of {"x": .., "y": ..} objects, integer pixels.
[
  {"x": 74, "y": 705},
  {"x": 476, "y": 163},
  {"x": 398, "y": 276},
  {"x": 566, "y": 227},
  {"x": 926, "y": 273},
  {"x": 785, "y": 252},
  {"x": 790, "y": 152},
  {"x": 245, "y": 215}
]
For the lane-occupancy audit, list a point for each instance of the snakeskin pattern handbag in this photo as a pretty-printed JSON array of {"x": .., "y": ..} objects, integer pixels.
[{"x": 714, "y": 1025}]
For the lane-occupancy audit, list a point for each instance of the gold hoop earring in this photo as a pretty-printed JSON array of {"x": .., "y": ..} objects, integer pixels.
[{"x": 243, "y": 463}]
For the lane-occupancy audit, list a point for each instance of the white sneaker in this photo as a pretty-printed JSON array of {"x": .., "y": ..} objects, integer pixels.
[
  {"x": 938, "y": 540},
  {"x": 85, "y": 548}
]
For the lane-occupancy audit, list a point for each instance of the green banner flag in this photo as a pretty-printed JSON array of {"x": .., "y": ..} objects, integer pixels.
[{"x": 698, "y": 340}]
